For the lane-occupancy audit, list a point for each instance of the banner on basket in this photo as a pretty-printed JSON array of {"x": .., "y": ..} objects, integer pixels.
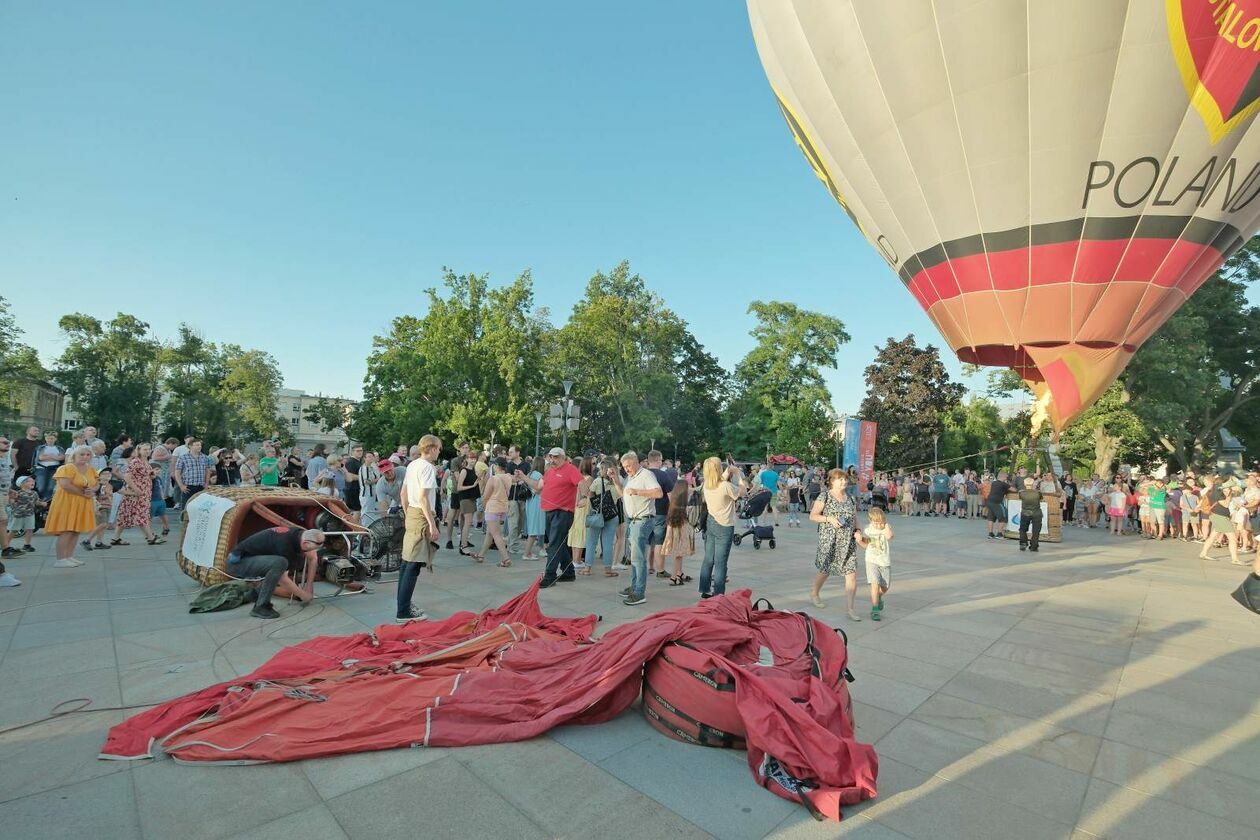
[
  {"x": 201, "y": 535},
  {"x": 1013, "y": 507}
]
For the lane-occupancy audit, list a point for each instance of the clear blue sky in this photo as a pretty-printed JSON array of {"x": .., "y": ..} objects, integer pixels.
[{"x": 289, "y": 176}]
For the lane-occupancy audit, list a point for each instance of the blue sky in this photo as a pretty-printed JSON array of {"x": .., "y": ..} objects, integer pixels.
[{"x": 290, "y": 176}]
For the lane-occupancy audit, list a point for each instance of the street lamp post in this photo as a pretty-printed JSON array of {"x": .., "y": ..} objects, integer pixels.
[
  {"x": 564, "y": 434},
  {"x": 538, "y": 416},
  {"x": 492, "y": 443},
  {"x": 564, "y": 415},
  {"x": 935, "y": 457}
]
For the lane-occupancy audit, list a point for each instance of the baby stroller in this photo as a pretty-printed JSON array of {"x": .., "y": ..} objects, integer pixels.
[{"x": 749, "y": 508}]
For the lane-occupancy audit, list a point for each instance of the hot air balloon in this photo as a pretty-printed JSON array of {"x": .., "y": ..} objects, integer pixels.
[{"x": 1050, "y": 180}]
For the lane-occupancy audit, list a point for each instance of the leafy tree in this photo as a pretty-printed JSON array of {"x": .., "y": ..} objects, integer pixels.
[
  {"x": 111, "y": 372},
  {"x": 471, "y": 364},
  {"x": 19, "y": 364},
  {"x": 781, "y": 398},
  {"x": 1109, "y": 428},
  {"x": 639, "y": 374},
  {"x": 973, "y": 426},
  {"x": 329, "y": 414},
  {"x": 1199, "y": 371},
  {"x": 250, "y": 381},
  {"x": 909, "y": 394}
]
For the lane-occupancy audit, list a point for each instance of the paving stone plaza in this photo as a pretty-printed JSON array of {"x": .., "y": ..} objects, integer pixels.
[{"x": 1105, "y": 687}]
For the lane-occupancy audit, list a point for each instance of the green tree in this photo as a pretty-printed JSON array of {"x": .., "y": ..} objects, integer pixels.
[
  {"x": 1109, "y": 432},
  {"x": 781, "y": 398},
  {"x": 19, "y": 363},
  {"x": 1199, "y": 371},
  {"x": 639, "y": 374},
  {"x": 111, "y": 372},
  {"x": 973, "y": 426},
  {"x": 248, "y": 389},
  {"x": 909, "y": 394},
  {"x": 471, "y": 364}
]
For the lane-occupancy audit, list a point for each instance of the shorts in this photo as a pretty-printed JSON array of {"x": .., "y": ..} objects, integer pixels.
[
  {"x": 657, "y": 537},
  {"x": 18, "y": 524},
  {"x": 876, "y": 573},
  {"x": 1221, "y": 524},
  {"x": 1144, "y": 512},
  {"x": 996, "y": 514},
  {"x": 496, "y": 517},
  {"x": 940, "y": 498},
  {"x": 468, "y": 506},
  {"x": 416, "y": 549},
  {"x": 157, "y": 507},
  {"x": 1158, "y": 515}
]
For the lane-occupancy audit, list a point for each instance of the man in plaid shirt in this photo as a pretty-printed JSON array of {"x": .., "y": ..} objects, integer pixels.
[{"x": 190, "y": 470}]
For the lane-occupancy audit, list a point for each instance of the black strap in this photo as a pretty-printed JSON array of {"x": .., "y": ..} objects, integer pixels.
[
  {"x": 709, "y": 736},
  {"x": 709, "y": 677},
  {"x": 766, "y": 601}
]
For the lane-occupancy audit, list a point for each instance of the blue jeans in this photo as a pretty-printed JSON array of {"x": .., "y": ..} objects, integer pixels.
[
  {"x": 44, "y": 482},
  {"x": 600, "y": 532},
  {"x": 559, "y": 557},
  {"x": 717, "y": 549},
  {"x": 637, "y": 534}
]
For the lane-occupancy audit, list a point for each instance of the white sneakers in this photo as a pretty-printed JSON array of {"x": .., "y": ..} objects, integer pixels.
[
  {"x": 67, "y": 563},
  {"x": 7, "y": 579}
]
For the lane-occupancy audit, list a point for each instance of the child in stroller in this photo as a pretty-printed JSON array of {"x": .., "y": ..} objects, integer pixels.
[{"x": 749, "y": 508}]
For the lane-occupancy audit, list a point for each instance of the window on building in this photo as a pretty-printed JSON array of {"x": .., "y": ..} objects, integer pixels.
[
  {"x": 294, "y": 421},
  {"x": 71, "y": 425},
  {"x": 297, "y": 406}
]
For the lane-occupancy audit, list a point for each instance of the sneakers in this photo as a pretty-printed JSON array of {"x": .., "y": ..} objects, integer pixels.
[
  {"x": 7, "y": 579},
  {"x": 816, "y": 601},
  {"x": 546, "y": 583},
  {"x": 11, "y": 552},
  {"x": 625, "y": 592},
  {"x": 633, "y": 599},
  {"x": 264, "y": 611},
  {"x": 67, "y": 563},
  {"x": 450, "y": 544},
  {"x": 567, "y": 578},
  {"x": 28, "y": 548},
  {"x": 414, "y": 613}
]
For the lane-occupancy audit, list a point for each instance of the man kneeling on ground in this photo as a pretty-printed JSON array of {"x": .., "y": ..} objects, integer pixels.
[{"x": 275, "y": 555}]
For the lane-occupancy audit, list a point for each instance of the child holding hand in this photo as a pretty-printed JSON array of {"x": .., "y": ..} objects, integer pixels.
[{"x": 875, "y": 539}]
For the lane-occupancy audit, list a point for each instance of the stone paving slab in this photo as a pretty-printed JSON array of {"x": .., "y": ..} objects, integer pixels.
[{"x": 1102, "y": 688}]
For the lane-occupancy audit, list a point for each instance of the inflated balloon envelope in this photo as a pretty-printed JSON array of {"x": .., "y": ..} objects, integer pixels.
[{"x": 1050, "y": 180}]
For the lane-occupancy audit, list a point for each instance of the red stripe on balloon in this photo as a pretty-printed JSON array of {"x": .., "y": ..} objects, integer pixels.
[{"x": 1161, "y": 262}]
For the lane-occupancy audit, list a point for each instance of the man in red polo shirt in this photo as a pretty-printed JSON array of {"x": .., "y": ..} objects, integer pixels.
[{"x": 559, "y": 495}]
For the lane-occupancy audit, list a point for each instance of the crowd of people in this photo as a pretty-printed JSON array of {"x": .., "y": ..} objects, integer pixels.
[{"x": 613, "y": 513}]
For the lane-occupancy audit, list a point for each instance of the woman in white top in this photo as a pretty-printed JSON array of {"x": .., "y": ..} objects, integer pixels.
[{"x": 721, "y": 489}]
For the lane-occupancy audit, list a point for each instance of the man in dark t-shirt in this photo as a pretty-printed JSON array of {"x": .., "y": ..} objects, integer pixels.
[
  {"x": 1029, "y": 515},
  {"x": 996, "y": 504},
  {"x": 272, "y": 555},
  {"x": 667, "y": 480}
]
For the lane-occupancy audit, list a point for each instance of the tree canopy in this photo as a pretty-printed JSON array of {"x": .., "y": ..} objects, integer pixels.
[{"x": 910, "y": 395}]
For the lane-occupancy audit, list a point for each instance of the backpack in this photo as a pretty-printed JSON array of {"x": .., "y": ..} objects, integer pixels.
[{"x": 604, "y": 504}]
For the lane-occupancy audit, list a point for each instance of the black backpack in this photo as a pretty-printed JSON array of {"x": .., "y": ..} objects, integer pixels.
[{"x": 604, "y": 504}]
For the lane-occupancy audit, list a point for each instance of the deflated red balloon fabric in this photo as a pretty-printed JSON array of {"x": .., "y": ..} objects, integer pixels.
[{"x": 512, "y": 673}]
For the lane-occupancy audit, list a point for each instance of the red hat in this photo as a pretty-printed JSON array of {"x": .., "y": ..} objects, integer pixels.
[{"x": 386, "y": 466}]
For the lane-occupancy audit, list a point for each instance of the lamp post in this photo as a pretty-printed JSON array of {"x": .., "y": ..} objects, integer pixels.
[
  {"x": 564, "y": 416},
  {"x": 492, "y": 443},
  {"x": 538, "y": 415},
  {"x": 935, "y": 457},
  {"x": 838, "y": 433}
]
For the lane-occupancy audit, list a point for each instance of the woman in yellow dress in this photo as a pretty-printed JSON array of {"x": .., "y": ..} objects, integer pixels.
[{"x": 72, "y": 511}]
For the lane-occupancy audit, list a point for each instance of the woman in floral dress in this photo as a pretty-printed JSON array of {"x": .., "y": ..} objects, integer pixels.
[
  {"x": 134, "y": 510},
  {"x": 835, "y": 511}
]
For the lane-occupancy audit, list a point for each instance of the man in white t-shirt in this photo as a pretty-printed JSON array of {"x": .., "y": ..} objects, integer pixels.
[
  {"x": 638, "y": 494},
  {"x": 419, "y": 500}
]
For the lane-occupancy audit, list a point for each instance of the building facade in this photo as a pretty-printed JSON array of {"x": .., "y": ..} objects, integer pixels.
[
  {"x": 37, "y": 403},
  {"x": 293, "y": 403}
]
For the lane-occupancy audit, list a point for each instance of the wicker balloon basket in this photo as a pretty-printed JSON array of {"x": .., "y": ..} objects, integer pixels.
[{"x": 254, "y": 509}]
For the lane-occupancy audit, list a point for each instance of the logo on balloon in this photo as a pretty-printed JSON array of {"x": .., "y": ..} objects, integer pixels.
[{"x": 1217, "y": 47}]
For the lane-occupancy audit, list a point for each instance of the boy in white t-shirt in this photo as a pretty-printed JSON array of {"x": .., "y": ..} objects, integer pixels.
[{"x": 875, "y": 539}]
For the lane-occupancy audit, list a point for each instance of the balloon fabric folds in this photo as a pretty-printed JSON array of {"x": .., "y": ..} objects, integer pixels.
[{"x": 1050, "y": 180}]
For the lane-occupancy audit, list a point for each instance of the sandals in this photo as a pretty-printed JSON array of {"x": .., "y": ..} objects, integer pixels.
[
  {"x": 676, "y": 580},
  {"x": 166, "y": 531},
  {"x": 101, "y": 545},
  {"x": 505, "y": 564},
  {"x": 662, "y": 574},
  {"x": 611, "y": 573},
  {"x": 87, "y": 545},
  {"x": 156, "y": 541},
  {"x": 585, "y": 571},
  {"x": 119, "y": 542}
]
